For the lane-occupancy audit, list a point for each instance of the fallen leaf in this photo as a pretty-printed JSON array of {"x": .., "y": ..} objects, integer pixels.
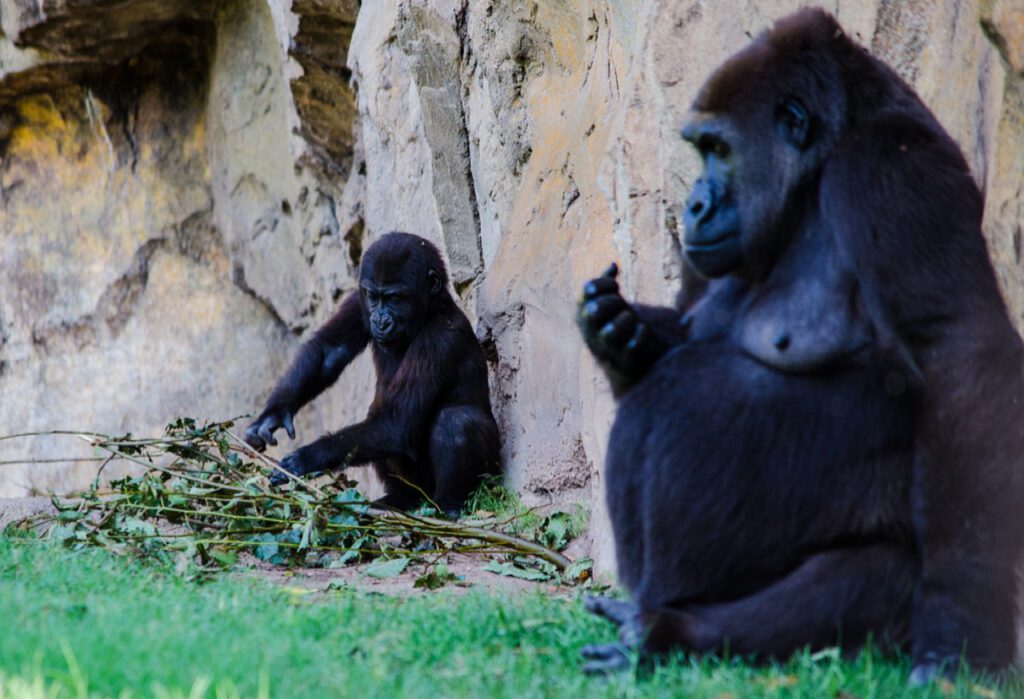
[{"x": 381, "y": 568}]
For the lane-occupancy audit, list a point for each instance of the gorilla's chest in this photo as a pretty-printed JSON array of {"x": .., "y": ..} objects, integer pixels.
[{"x": 806, "y": 316}]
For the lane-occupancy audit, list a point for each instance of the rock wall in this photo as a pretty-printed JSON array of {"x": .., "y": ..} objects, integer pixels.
[{"x": 186, "y": 192}]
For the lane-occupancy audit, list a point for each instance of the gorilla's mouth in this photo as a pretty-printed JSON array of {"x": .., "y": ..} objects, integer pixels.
[
  {"x": 388, "y": 340},
  {"x": 711, "y": 245},
  {"x": 716, "y": 257}
]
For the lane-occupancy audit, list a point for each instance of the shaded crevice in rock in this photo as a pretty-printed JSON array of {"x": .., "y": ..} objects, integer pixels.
[
  {"x": 1006, "y": 32},
  {"x": 355, "y": 239},
  {"x": 106, "y": 49},
  {"x": 99, "y": 30},
  {"x": 238, "y": 279},
  {"x": 324, "y": 98},
  {"x": 195, "y": 239},
  {"x": 114, "y": 308}
]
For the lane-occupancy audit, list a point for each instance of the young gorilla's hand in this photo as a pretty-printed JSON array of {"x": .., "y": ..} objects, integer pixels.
[
  {"x": 261, "y": 432},
  {"x": 312, "y": 458},
  {"x": 611, "y": 327}
]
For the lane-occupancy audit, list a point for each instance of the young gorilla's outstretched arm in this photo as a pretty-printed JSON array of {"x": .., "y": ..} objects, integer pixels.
[
  {"x": 318, "y": 365},
  {"x": 627, "y": 339},
  {"x": 398, "y": 419}
]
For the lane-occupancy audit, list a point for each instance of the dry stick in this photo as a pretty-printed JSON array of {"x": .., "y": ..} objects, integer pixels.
[
  {"x": 50, "y": 433},
  {"x": 492, "y": 537},
  {"x": 274, "y": 464},
  {"x": 15, "y": 462},
  {"x": 179, "y": 474}
]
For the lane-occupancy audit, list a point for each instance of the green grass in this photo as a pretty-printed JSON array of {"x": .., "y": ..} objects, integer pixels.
[{"x": 91, "y": 624}]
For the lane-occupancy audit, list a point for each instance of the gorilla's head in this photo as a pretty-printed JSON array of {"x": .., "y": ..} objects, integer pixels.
[
  {"x": 764, "y": 124},
  {"x": 400, "y": 277}
]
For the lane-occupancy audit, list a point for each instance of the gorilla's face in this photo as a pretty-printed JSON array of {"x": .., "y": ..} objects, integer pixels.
[
  {"x": 392, "y": 310},
  {"x": 763, "y": 126},
  {"x": 395, "y": 294},
  {"x": 712, "y": 216}
]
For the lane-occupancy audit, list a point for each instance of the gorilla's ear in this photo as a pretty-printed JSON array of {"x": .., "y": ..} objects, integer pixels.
[
  {"x": 433, "y": 282},
  {"x": 794, "y": 122}
]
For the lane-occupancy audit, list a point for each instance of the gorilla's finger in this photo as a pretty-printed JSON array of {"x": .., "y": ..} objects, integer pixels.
[
  {"x": 605, "y": 659},
  {"x": 267, "y": 433},
  {"x": 616, "y": 611},
  {"x": 599, "y": 287},
  {"x": 620, "y": 329},
  {"x": 602, "y": 309},
  {"x": 639, "y": 337},
  {"x": 289, "y": 425},
  {"x": 252, "y": 438}
]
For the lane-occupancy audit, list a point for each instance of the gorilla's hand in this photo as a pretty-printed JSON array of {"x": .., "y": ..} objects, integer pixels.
[
  {"x": 311, "y": 458},
  {"x": 261, "y": 432},
  {"x": 611, "y": 327},
  {"x": 608, "y": 658}
]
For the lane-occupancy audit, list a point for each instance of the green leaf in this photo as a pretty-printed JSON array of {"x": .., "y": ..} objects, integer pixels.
[
  {"x": 138, "y": 527},
  {"x": 62, "y": 532},
  {"x": 579, "y": 572},
  {"x": 267, "y": 550},
  {"x": 352, "y": 554},
  {"x": 513, "y": 571},
  {"x": 555, "y": 531},
  {"x": 225, "y": 559},
  {"x": 381, "y": 568},
  {"x": 438, "y": 577}
]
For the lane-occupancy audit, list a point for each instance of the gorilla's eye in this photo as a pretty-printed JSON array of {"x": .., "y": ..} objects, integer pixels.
[
  {"x": 709, "y": 144},
  {"x": 794, "y": 122}
]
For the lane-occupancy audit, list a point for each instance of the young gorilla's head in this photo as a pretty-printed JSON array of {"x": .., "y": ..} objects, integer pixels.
[
  {"x": 400, "y": 279},
  {"x": 764, "y": 125}
]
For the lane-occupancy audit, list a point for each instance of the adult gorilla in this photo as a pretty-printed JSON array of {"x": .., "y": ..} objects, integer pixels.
[
  {"x": 430, "y": 428},
  {"x": 824, "y": 441}
]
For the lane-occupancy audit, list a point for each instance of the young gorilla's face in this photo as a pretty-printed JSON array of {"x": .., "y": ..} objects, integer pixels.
[
  {"x": 392, "y": 310},
  {"x": 395, "y": 295}
]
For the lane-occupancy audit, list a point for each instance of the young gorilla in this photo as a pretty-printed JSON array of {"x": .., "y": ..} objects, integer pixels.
[
  {"x": 824, "y": 441},
  {"x": 430, "y": 425}
]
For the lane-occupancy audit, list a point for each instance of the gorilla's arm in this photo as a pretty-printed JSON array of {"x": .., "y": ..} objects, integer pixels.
[
  {"x": 905, "y": 209},
  {"x": 397, "y": 422},
  {"x": 318, "y": 364},
  {"x": 626, "y": 338}
]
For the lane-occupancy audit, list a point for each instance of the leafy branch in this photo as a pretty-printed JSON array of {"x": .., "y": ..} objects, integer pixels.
[{"x": 203, "y": 497}]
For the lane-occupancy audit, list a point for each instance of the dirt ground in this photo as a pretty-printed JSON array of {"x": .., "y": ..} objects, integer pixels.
[
  {"x": 469, "y": 570},
  {"x": 14, "y": 509}
]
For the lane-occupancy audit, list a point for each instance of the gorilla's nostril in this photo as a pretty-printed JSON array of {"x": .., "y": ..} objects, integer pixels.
[{"x": 696, "y": 208}]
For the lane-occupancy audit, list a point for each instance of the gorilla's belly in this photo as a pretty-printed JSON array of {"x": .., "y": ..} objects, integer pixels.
[{"x": 725, "y": 473}]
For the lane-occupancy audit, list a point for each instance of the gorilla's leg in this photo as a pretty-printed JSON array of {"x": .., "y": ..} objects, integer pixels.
[
  {"x": 402, "y": 490},
  {"x": 839, "y": 597},
  {"x": 463, "y": 445}
]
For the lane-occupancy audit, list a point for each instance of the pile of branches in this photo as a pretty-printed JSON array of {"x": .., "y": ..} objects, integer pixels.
[{"x": 203, "y": 498}]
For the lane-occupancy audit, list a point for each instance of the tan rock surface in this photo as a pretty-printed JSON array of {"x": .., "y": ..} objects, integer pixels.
[{"x": 179, "y": 204}]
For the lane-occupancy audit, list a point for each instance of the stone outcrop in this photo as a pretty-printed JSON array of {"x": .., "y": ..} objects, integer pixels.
[{"x": 186, "y": 189}]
